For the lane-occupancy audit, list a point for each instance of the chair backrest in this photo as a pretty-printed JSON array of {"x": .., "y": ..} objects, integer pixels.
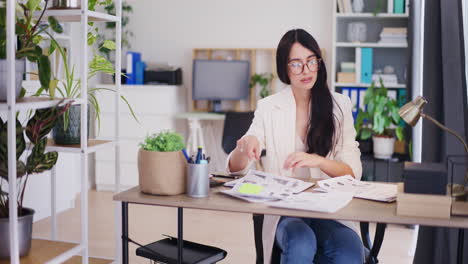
[{"x": 236, "y": 125}]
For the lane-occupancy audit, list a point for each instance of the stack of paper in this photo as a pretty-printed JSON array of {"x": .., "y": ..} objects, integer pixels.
[
  {"x": 365, "y": 190},
  {"x": 259, "y": 186},
  {"x": 318, "y": 202},
  {"x": 393, "y": 35}
]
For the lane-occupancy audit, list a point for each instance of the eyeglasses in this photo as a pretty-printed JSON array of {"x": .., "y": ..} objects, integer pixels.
[{"x": 297, "y": 67}]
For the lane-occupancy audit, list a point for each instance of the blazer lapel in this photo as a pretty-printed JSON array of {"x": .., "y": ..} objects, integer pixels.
[{"x": 284, "y": 128}]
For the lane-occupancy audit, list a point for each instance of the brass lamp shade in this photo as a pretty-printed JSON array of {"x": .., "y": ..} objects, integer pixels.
[{"x": 411, "y": 111}]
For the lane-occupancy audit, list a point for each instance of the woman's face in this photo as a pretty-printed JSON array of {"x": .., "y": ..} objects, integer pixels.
[{"x": 302, "y": 66}]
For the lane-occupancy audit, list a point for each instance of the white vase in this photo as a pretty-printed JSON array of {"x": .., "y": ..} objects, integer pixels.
[
  {"x": 383, "y": 147},
  {"x": 358, "y": 6}
]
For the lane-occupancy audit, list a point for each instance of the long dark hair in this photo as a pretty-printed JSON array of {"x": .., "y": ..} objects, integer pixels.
[{"x": 321, "y": 126}]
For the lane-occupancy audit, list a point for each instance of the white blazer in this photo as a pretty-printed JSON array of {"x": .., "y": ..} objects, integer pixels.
[{"x": 274, "y": 125}]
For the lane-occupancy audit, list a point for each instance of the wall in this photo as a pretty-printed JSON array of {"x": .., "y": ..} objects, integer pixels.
[{"x": 167, "y": 31}]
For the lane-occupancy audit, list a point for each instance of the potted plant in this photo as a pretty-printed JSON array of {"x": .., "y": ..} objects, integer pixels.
[
  {"x": 37, "y": 161},
  {"x": 68, "y": 128},
  {"x": 162, "y": 165},
  {"x": 264, "y": 80},
  {"x": 29, "y": 32},
  {"x": 381, "y": 121}
]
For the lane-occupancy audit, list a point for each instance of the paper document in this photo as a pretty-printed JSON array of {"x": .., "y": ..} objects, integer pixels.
[
  {"x": 365, "y": 190},
  {"x": 318, "y": 202},
  {"x": 265, "y": 186}
]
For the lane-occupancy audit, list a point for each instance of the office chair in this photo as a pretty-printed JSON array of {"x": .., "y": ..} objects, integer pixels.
[{"x": 236, "y": 125}]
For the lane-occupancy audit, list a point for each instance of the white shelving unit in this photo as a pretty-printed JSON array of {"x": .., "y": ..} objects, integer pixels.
[
  {"x": 82, "y": 16},
  {"x": 393, "y": 54}
]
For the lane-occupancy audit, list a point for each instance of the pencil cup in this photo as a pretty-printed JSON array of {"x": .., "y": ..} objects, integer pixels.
[{"x": 198, "y": 180}]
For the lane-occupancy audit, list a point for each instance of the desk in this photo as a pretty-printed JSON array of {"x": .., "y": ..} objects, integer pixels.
[{"x": 356, "y": 210}]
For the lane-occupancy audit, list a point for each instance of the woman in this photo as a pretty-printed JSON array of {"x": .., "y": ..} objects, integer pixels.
[{"x": 307, "y": 132}]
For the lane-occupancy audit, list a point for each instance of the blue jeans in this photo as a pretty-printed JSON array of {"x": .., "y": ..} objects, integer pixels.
[{"x": 320, "y": 241}]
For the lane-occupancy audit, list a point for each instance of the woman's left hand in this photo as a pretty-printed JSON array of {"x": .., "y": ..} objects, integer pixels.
[{"x": 303, "y": 160}]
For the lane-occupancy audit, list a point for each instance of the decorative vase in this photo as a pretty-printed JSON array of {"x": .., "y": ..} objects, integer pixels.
[
  {"x": 383, "y": 147},
  {"x": 25, "y": 222},
  {"x": 162, "y": 173},
  {"x": 66, "y": 4},
  {"x": 357, "y": 32},
  {"x": 358, "y": 6},
  {"x": 19, "y": 73},
  {"x": 71, "y": 135}
]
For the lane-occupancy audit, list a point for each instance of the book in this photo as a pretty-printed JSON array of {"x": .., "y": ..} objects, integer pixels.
[
  {"x": 366, "y": 65},
  {"x": 358, "y": 66},
  {"x": 398, "y": 6},
  {"x": 390, "y": 6},
  {"x": 166, "y": 250}
]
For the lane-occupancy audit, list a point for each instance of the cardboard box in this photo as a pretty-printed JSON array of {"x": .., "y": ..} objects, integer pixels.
[{"x": 346, "y": 77}]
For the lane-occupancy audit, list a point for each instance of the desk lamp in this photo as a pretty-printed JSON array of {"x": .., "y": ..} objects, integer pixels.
[{"x": 411, "y": 112}]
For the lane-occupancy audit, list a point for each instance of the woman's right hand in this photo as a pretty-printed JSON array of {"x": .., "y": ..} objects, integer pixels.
[{"x": 249, "y": 147}]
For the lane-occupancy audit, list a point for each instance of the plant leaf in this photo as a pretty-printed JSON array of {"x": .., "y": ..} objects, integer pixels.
[
  {"x": 109, "y": 44},
  {"x": 55, "y": 25},
  {"x": 43, "y": 65}
]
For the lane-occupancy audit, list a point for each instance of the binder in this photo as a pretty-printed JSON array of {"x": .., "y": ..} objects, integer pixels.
[
  {"x": 362, "y": 94},
  {"x": 366, "y": 67},
  {"x": 140, "y": 72},
  {"x": 398, "y": 6},
  {"x": 358, "y": 64},
  {"x": 354, "y": 95},
  {"x": 132, "y": 59},
  {"x": 166, "y": 250}
]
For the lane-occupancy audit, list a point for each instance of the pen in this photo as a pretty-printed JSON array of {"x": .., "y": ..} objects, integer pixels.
[
  {"x": 199, "y": 155},
  {"x": 225, "y": 176},
  {"x": 186, "y": 155}
]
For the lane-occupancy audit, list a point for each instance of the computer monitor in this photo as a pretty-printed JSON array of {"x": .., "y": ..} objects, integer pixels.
[{"x": 217, "y": 80}]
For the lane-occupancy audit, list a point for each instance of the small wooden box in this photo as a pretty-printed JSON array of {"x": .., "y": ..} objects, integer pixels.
[
  {"x": 346, "y": 77},
  {"x": 423, "y": 205}
]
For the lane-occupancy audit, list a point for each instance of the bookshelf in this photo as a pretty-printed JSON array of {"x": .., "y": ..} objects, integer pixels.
[{"x": 387, "y": 47}]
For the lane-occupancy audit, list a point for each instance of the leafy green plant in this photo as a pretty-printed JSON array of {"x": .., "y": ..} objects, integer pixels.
[
  {"x": 70, "y": 86},
  {"x": 38, "y": 160},
  {"x": 264, "y": 80},
  {"x": 164, "y": 141},
  {"x": 30, "y": 36},
  {"x": 381, "y": 117}
]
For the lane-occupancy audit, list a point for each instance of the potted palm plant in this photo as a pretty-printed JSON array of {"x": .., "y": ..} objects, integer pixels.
[
  {"x": 161, "y": 164},
  {"x": 30, "y": 39},
  {"x": 380, "y": 121},
  {"x": 37, "y": 161}
]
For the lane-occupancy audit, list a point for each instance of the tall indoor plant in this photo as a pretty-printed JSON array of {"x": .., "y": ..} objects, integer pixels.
[
  {"x": 380, "y": 121},
  {"x": 30, "y": 39},
  {"x": 37, "y": 161}
]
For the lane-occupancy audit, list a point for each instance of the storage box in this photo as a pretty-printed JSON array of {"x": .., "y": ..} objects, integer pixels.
[
  {"x": 346, "y": 77},
  {"x": 425, "y": 178},
  {"x": 423, "y": 205}
]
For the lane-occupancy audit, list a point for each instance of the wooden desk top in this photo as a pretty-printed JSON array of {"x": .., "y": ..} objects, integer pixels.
[{"x": 356, "y": 210}]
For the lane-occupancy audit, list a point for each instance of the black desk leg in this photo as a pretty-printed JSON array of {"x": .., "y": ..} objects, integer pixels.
[
  {"x": 124, "y": 233},
  {"x": 461, "y": 240},
  {"x": 180, "y": 239}
]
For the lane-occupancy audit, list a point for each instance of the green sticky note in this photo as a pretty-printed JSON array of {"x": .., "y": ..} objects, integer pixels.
[{"x": 249, "y": 188}]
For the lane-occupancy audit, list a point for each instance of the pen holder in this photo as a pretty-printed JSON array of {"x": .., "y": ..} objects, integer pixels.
[{"x": 198, "y": 180}]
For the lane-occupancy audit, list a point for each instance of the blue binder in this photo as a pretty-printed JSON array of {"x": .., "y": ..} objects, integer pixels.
[
  {"x": 354, "y": 94},
  {"x": 366, "y": 65},
  {"x": 132, "y": 59},
  {"x": 140, "y": 72},
  {"x": 398, "y": 6}
]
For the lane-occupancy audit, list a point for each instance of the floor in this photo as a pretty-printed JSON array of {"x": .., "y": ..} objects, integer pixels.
[{"x": 230, "y": 231}]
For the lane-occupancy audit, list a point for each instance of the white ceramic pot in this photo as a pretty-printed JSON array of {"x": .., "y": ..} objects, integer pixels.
[{"x": 383, "y": 147}]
